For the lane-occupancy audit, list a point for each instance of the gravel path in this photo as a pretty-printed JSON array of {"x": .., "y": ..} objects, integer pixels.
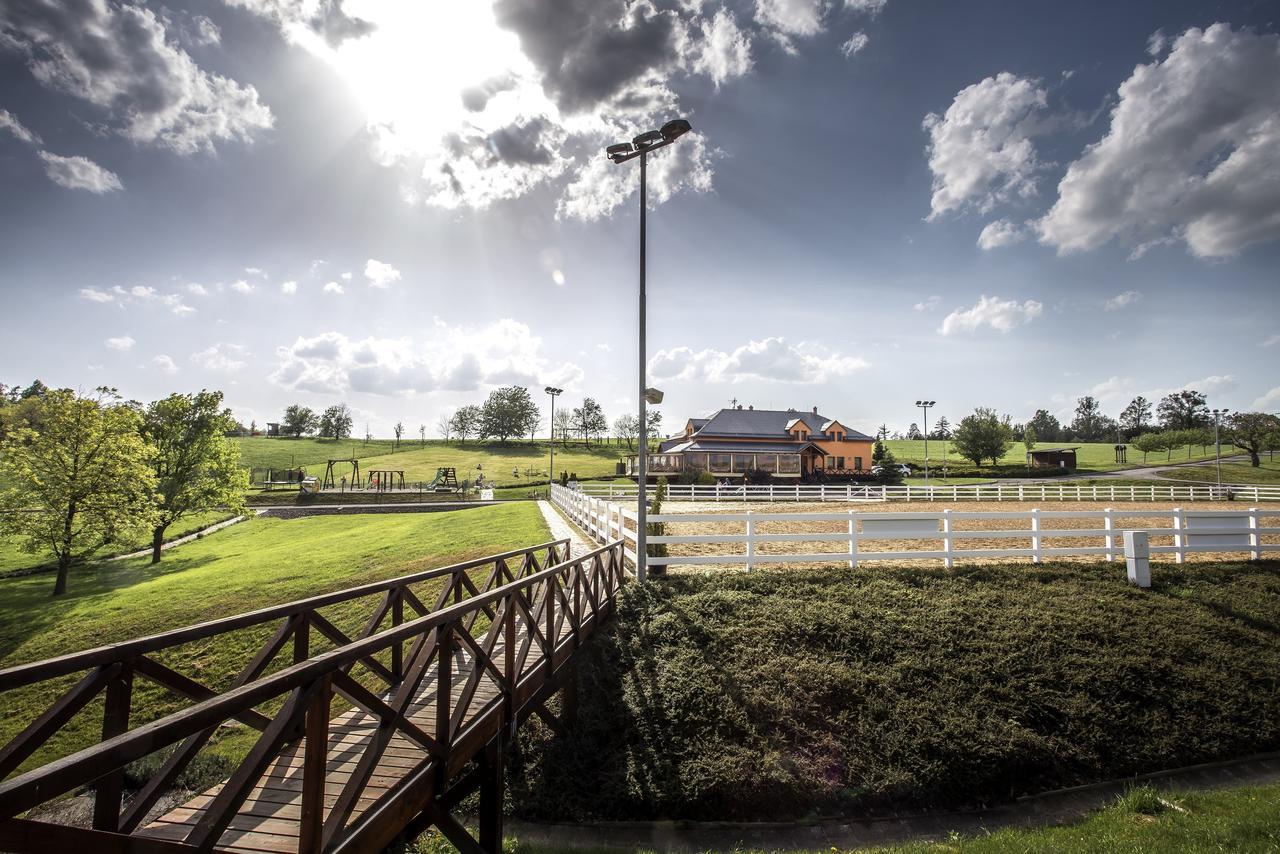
[{"x": 562, "y": 529}]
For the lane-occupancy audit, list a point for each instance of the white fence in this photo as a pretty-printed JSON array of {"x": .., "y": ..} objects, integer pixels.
[
  {"x": 857, "y": 492},
  {"x": 1189, "y": 532}
]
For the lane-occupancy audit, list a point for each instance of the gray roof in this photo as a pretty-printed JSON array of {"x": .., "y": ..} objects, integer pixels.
[
  {"x": 765, "y": 423},
  {"x": 750, "y": 447}
]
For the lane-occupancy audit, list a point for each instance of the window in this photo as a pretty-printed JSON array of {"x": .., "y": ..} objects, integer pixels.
[
  {"x": 840, "y": 463},
  {"x": 767, "y": 462},
  {"x": 720, "y": 462},
  {"x": 831, "y": 462},
  {"x": 742, "y": 462},
  {"x": 857, "y": 463},
  {"x": 788, "y": 463}
]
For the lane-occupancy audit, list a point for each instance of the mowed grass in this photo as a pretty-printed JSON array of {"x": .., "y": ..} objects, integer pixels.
[
  {"x": 1233, "y": 472},
  {"x": 1143, "y": 820},
  {"x": 800, "y": 693},
  {"x": 1091, "y": 456},
  {"x": 283, "y": 453},
  {"x": 251, "y": 565}
]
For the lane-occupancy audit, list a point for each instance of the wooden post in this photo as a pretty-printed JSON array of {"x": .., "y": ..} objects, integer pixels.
[
  {"x": 444, "y": 685},
  {"x": 314, "y": 762},
  {"x": 301, "y": 638},
  {"x": 491, "y": 782},
  {"x": 509, "y": 661},
  {"x": 115, "y": 721},
  {"x": 397, "y": 649}
]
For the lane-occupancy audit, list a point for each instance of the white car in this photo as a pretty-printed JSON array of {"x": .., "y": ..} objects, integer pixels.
[{"x": 903, "y": 469}]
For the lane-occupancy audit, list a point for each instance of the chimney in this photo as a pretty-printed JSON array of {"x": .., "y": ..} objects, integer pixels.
[{"x": 815, "y": 410}]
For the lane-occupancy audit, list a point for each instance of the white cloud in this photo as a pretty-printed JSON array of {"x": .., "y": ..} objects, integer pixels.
[
  {"x": 787, "y": 20},
  {"x": 222, "y": 358},
  {"x": 450, "y": 359},
  {"x": 240, "y": 286},
  {"x": 197, "y": 290},
  {"x": 380, "y": 274},
  {"x": 95, "y": 295},
  {"x": 141, "y": 293},
  {"x": 1192, "y": 153},
  {"x": 289, "y": 287},
  {"x": 1121, "y": 300},
  {"x": 79, "y": 173},
  {"x": 928, "y": 304},
  {"x": 256, "y": 271},
  {"x": 332, "y": 288},
  {"x": 206, "y": 31},
  {"x": 1271, "y": 341},
  {"x": 1157, "y": 42},
  {"x": 602, "y": 186},
  {"x": 1000, "y": 315},
  {"x": 118, "y": 57},
  {"x": 866, "y": 7},
  {"x": 726, "y": 49},
  {"x": 164, "y": 364},
  {"x": 1268, "y": 402},
  {"x": 855, "y": 43},
  {"x": 980, "y": 151},
  {"x": 771, "y": 359},
  {"x": 10, "y": 124},
  {"x": 122, "y": 343},
  {"x": 1213, "y": 384},
  {"x": 1002, "y": 232},
  {"x": 346, "y": 277}
]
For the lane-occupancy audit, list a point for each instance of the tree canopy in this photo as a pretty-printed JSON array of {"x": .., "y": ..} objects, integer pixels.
[
  {"x": 983, "y": 435},
  {"x": 336, "y": 422},
  {"x": 1183, "y": 410},
  {"x": 1253, "y": 432},
  {"x": 508, "y": 411},
  {"x": 299, "y": 421}
]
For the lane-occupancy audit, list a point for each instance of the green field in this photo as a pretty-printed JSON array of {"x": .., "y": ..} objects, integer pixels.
[
  {"x": 1233, "y": 472},
  {"x": 1091, "y": 456},
  {"x": 793, "y": 694},
  {"x": 247, "y": 566}
]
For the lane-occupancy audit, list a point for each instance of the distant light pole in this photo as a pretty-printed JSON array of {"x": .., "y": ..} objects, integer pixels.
[
  {"x": 924, "y": 406},
  {"x": 1218, "y": 415},
  {"x": 620, "y": 153},
  {"x": 551, "y": 475}
]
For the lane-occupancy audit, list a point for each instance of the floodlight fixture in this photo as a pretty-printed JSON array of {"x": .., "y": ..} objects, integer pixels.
[
  {"x": 652, "y": 396},
  {"x": 675, "y": 128}
]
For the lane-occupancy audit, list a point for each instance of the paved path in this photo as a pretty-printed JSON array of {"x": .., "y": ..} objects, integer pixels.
[{"x": 561, "y": 529}]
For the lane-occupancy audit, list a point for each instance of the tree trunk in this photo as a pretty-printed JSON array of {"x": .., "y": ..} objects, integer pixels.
[
  {"x": 60, "y": 585},
  {"x": 157, "y": 543},
  {"x": 1253, "y": 459}
]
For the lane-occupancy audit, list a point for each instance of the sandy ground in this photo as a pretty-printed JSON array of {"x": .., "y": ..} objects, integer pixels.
[{"x": 1155, "y": 515}]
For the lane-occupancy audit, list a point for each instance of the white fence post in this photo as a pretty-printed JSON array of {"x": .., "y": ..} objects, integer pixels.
[
  {"x": 1111, "y": 541},
  {"x": 1019, "y": 492},
  {"x": 1254, "y": 540},
  {"x": 1035, "y": 535},
  {"x": 1137, "y": 557},
  {"x": 1179, "y": 555},
  {"x": 946, "y": 538},
  {"x": 853, "y": 539},
  {"x": 751, "y": 541}
]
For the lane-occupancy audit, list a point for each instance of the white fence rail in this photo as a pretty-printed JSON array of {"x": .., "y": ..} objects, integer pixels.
[
  {"x": 858, "y": 492},
  {"x": 1188, "y": 531}
]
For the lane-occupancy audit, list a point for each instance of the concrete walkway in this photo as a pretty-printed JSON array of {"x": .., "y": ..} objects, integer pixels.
[
  {"x": 1051, "y": 808},
  {"x": 562, "y": 529}
]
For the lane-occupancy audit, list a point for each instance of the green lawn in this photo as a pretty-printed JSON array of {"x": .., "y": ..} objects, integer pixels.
[
  {"x": 13, "y": 558},
  {"x": 788, "y": 694},
  {"x": 1091, "y": 456},
  {"x": 1234, "y": 472},
  {"x": 261, "y": 452},
  {"x": 1144, "y": 820},
  {"x": 256, "y": 563}
]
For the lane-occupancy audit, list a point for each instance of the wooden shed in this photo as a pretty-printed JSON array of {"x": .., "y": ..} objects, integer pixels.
[{"x": 1058, "y": 458}]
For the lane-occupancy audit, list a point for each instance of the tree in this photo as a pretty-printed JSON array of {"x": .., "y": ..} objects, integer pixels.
[
  {"x": 1149, "y": 443},
  {"x": 1029, "y": 438},
  {"x": 653, "y": 423},
  {"x": 196, "y": 468},
  {"x": 83, "y": 482},
  {"x": 508, "y": 411},
  {"x": 444, "y": 427},
  {"x": 1183, "y": 410},
  {"x": 399, "y": 431},
  {"x": 299, "y": 421},
  {"x": 882, "y": 433},
  {"x": 1136, "y": 417},
  {"x": 1047, "y": 427},
  {"x": 1089, "y": 423},
  {"x": 563, "y": 425},
  {"x": 336, "y": 422},
  {"x": 941, "y": 430},
  {"x": 589, "y": 420},
  {"x": 913, "y": 432},
  {"x": 878, "y": 452},
  {"x": 627, "y": 427},
  {"x": 466, "y": 422},
  {"x": 983, "y": 435},
  {"x": 1253, "y": 432},
  {"x": 422, "y": 435}
]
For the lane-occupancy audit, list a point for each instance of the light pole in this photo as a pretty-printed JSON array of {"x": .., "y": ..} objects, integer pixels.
[
  {"x": 621, "y": 153},
  {"x": 924, "y": 407},
  {"x": 551, "y": 475},
  {"x": 1218, "y": 415}
]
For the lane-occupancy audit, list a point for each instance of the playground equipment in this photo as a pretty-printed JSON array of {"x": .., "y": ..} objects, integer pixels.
[
  {"x": 330, "y": 481},
  {"x": 385, "y": 479},
  {"x": 283, "y": 477},
  {"x": 446, "y": 480}
]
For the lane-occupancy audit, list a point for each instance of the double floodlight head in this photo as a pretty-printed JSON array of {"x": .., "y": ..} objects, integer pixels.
[
  {"x": 925, "y": 402},
  {"x": 647, "y": 141},
  {"x": 652, "y": 396},
  {"x": 553, "y": 391}
]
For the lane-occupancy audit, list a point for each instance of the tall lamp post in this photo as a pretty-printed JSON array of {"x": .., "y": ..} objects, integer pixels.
[
  {"x": 1218, "y": 415},
  {"x": 620, "y": 153},
  {"x": 551, "y": 475},
  {"x": 924, "y": 407}
]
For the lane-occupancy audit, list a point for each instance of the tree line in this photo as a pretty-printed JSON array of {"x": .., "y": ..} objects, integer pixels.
[
  {"x": 510, "y": 412},
  {"x": 86, "y": 472}
]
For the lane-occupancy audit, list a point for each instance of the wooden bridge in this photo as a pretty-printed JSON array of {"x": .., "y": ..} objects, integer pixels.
[{"x": 428, "y": 707}]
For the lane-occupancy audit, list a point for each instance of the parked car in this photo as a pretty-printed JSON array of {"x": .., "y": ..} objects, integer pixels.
[{"x": 903, "y": 469}]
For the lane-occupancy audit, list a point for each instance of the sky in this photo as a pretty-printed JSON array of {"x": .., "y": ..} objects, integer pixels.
[{"x": 403, "y": 205}]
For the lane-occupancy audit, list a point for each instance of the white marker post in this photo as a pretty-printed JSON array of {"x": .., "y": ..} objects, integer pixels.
[{"x": 1137, "y": 557}]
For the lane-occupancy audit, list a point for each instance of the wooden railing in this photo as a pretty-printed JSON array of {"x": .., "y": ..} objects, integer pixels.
[{"x": 533, "y": 609}]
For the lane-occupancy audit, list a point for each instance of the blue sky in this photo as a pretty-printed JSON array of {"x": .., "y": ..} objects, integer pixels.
[{"x": 404, "y": 205}]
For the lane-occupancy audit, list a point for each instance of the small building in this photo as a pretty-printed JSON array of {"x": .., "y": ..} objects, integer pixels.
[
  {"x": 1058, "y": 458},
  {"x": 273, "y": 428}
]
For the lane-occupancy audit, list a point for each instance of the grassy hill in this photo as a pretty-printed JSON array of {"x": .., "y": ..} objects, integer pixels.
[
  {"x": 789, "y": 694},
  {"x": 1234, "y": 472},
  {"x": 1091, "y": 456}
]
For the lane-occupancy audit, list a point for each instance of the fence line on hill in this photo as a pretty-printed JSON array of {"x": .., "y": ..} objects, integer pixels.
[
  {"x": 1189, "y": 532},
  {"x": 860, "y": 492}
]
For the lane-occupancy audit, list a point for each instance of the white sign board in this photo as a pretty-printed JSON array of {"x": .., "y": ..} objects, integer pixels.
[
  {"x": 1211, "y": 521},
  {"x": 908, "y": 526},
  {"x": 486, "y": 495}
]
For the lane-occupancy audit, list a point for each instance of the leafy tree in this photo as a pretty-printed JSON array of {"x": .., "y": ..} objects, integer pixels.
[
  {"x": 1149, "y": 443},
  {"x": 657, "y": 529},
  {"x": 888, "y": 463},
  {"x": 1089, "y": 422},
  {"x": 913, "y": 432},
  {"x": 1183, "y": 410},
  {"x": 83, "y": 482},
  {"x": 336, "y": 422},
  {"x": 299, "y": 421},
  {"x": 627, "y": 428},
  {"x": 589, "y": 420},
  {"x": 983, "y": 435},
  {"x": 1253, "y": 432},
  {"x": 1047, "y": 427},
  {"x": 653, "y": 423},
  {"x": 1029, "y": 437},
  {"x": 1136, "y": 417},
  {"x": 196, "y": 468},
  {"x": 399, "y": 431},
  {"x": 466, "y": 422},
  {"x": 508, "y": 411}
]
